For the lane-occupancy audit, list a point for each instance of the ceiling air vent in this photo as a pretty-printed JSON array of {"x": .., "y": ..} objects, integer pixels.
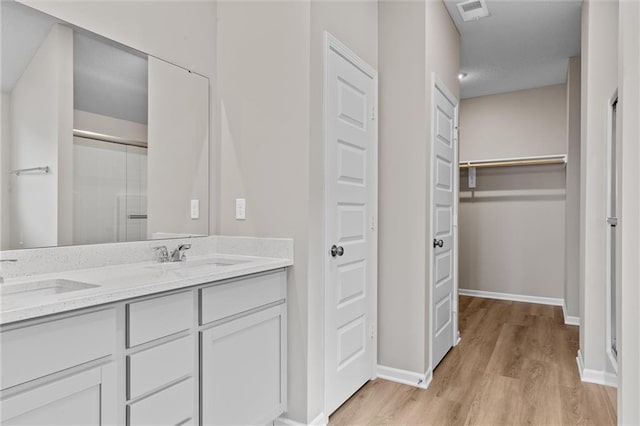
[{"x": 473, "y": 9}]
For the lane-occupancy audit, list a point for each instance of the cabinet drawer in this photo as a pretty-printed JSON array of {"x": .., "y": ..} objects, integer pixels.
[
  {"x": 38, "y": 350},
  {"x": 159, "y": 317},
  {"x": 224, "y": 300},
  {"x": 155, "y": 367},
  {"x": 171, "y": 406}
]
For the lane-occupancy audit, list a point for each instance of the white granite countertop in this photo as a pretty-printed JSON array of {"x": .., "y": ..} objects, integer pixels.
[{"x": 120, "y": 282}]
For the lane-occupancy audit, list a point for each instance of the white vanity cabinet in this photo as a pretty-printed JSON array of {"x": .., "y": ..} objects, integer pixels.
[
  {"x": 243, "y": 362},
  {"x": 60, "y": 372},
  {"x": 208, "y": 354}
]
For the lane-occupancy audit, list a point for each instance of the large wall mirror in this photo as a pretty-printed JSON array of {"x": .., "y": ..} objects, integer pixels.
[{"x": 100, "y": 143}]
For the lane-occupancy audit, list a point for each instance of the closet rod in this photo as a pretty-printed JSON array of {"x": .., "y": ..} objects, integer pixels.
[
  {"x": 108, "y": 138},
  {"x": 517, "y": 161}
]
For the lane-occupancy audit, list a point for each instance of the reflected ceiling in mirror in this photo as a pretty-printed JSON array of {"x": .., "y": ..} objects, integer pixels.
[{"x": 100, "y": 142}]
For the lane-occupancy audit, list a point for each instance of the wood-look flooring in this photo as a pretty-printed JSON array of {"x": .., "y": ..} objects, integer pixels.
[{"x": 515, "y": 365}]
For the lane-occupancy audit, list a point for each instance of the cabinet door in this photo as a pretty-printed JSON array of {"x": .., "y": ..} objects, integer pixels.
[
  {"x": 84, "y": 398},
  {"x": 243, "y": 368}
]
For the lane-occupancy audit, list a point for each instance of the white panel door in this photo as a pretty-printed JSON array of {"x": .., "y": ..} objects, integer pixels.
[
  {"x": 443, "y": 198},
  {"x": 350, "y": 96}
]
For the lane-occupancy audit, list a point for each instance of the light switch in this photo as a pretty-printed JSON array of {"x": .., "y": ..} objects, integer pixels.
[
  {"x": 241, "y": 208},
  {"x": 472, "y": 177},
  {"x": 195, "y": 209}
]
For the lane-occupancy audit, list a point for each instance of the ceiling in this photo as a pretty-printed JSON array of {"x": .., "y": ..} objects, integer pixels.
[
  {"x": 108, "y": 78},
  {"x": 522, "y": 44}
]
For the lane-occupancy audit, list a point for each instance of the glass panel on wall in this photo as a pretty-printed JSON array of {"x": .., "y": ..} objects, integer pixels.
[
  {"x": 100, "y": 142},
  {"x": 110, "y": 138}
]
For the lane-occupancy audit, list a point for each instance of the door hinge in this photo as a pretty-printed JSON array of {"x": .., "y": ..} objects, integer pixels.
[
  {"x": 373, "y": 223},
  {"x": 373, "y": 331},
  {"x": 373, "y": 113}
]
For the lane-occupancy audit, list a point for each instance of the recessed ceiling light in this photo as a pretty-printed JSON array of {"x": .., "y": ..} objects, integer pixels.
[{"x": 462, "y": 75}]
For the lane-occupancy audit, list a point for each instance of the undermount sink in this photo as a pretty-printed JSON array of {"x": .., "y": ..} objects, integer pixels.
[{"x": 42, "y": 288}]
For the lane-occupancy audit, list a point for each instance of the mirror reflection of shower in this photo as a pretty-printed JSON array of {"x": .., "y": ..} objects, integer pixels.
[
  {"x": 89, "y": 129},
  {"x": 110, "y": 142}
]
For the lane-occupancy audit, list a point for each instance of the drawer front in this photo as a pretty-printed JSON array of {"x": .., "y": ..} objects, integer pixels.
[
  {"x": 155, "y": 367},
  {"x": 38, "y": 350},
  {"x": 159, "y": 317},
  {"x": 224, "y": 300},
  {"x": 171, "y": 406}
]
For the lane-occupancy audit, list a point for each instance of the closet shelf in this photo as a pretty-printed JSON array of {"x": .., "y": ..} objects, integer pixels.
[{"x": 515, "y": 161}]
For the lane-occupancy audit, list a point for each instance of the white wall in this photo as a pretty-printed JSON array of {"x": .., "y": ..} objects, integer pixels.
[
  {"x": 402, "y": 166},
  {"x": 572, "y": 211},
  {"x": 416, "y": 39},
  {"x": 143, "y": 25},
  {"x": 599, "y": 81},
  {"x": 521, "y": 123},
  {"x": 629, "y": 135},
  {"x": 512, "y": 225},
  {"x": 41, "y": 123},
  {"x": 5, "y": 165},
  {"x": 263, "y": 80},
  {"x": 178, "y": 132}
]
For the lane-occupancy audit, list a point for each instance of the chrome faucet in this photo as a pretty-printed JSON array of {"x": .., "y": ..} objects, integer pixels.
[
  {"x": 178, "y": 255},
  {"x": 163, "y": 253},
  {"x": 6, "y": 260}
]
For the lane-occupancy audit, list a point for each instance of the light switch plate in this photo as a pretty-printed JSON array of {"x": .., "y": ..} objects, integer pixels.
[
  {"x": 195, "y": 209},
  {"x": 241, "y": 208}
]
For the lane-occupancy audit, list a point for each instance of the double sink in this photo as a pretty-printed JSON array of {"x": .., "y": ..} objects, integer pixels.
[{"x": 15, "y": 293}]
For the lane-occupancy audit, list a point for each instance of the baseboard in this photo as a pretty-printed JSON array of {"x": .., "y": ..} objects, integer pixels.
[
  {"x": 568, "y": 319},
  {"x": 319, "y": 420},
  {"x": 405, "y": 377},
  {"x": 580, "y": 363},
  {"x": 595, "y": 376},
  {"x": 285, "y": 421},
  {"x": 512, "y": 297}
]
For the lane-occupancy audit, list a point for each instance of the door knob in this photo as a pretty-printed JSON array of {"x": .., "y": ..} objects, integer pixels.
[
  {"x": 336, "y": 250},
  {"x": 438, "y": 243}
]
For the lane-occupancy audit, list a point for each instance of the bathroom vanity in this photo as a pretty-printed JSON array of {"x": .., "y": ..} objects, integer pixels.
[
  {"x": 108, "y": 146},
  {"x": 195, "y": 342}
]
